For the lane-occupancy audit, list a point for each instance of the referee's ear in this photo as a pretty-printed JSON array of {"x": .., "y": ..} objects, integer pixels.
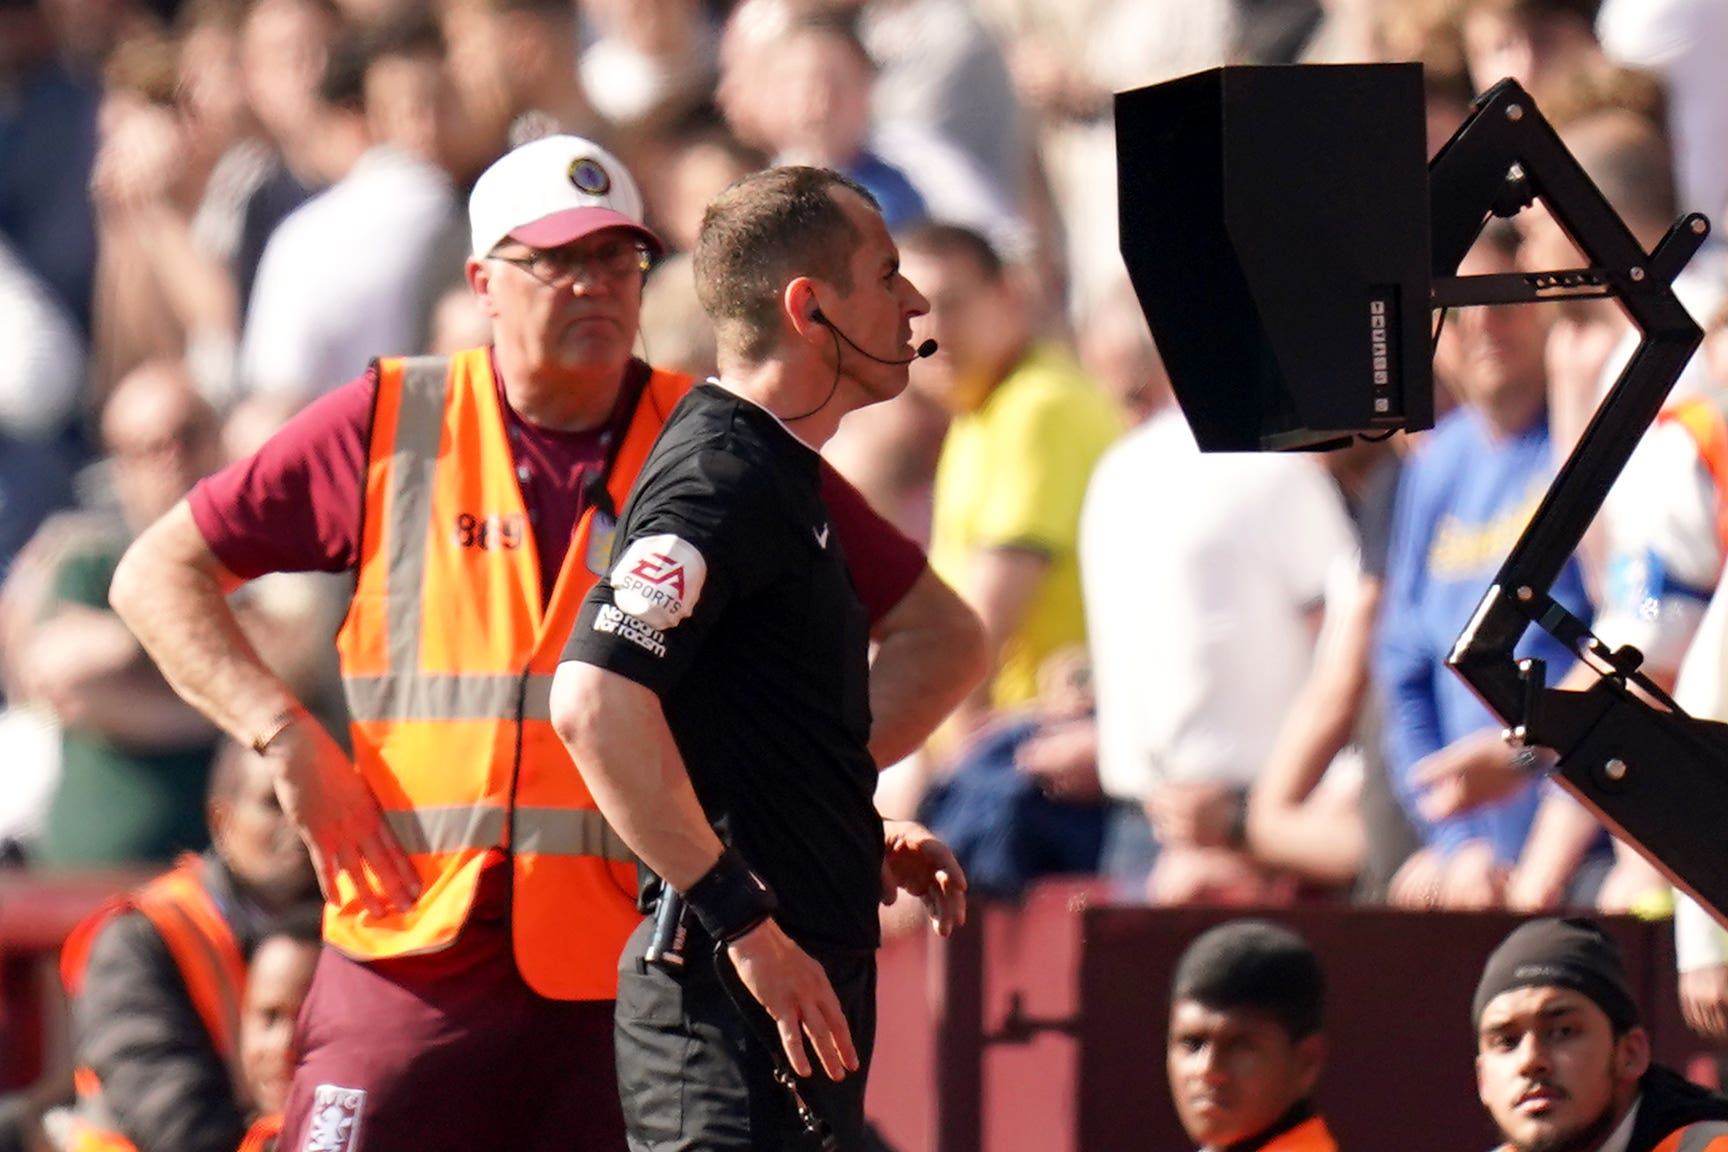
[{"x": 803, "y": 310}]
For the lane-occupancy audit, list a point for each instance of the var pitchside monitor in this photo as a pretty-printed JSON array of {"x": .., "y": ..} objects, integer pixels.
[{"x": 1275, "y": 225}]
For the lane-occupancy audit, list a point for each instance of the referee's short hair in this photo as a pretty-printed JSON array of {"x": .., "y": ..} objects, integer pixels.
[
  {"x": 764, "y": 230},
  {"x": 1258, "y": 966}
]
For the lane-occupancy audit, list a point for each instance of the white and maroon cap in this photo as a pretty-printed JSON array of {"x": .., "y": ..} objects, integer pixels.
[{"x": 552, "y": 191}]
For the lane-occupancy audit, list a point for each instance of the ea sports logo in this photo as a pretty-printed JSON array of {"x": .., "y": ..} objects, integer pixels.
[
  {"x": 658, "y": 580},
  {"x": 659, "y": 568}
]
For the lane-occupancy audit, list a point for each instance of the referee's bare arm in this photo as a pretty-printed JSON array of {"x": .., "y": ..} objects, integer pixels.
[
  {"x": 616, "y": 732},
  {"x": 931, "y": 652}
]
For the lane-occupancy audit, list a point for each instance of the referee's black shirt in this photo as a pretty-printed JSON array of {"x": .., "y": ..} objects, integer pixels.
[{"x": 728, "y": 596}]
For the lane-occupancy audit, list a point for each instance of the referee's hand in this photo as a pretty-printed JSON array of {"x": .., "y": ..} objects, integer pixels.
[
  {"x": 916, "y": 862},
  {"x": 794, "y": 990}
]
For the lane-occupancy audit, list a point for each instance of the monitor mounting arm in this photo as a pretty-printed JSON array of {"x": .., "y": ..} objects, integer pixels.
[{"x": 1657, "y": 777}]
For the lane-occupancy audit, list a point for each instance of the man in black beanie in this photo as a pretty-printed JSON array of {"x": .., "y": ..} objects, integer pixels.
[{"x": 1562, "y": 1061}]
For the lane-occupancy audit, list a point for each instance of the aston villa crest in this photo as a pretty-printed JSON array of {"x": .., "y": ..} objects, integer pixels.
[
  {"x": 335, "y": 1123},
  {"x": 588, "y": 176}
]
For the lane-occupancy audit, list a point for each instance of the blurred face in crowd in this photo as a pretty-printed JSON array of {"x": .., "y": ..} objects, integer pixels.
[
  {"x": 162, "y": 438},
  {"x": 572, "y": 313},
  {"x": 277, "y": 981},
  {"x": 253, "y": 836},
  {"x": 745, "y": 92},
  {"x": 407, "y": 103},
  {"x": 1550, "y": 1070},
  {"x": 979, "y": 325},
  {"x": 283, "y": 47},
  {"x": 212, "y": 93},
  {"x": 1531, "y": 49},
  {"x": 1235, "y": 1072},
  {"x": 696, "y": 175},
  {"x": 1497, "y": 361},
  {"x": 821, "y": 114}
]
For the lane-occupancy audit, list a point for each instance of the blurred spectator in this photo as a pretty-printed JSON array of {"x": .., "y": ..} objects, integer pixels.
[
  {"x": 1535, "y": 42},
  {"x": 138, "y": 163},
  {"x": 674, "y": 329},
  {"x": 277, "y": 980},
  {"x": 456, "y": 323},
  {"x": 1023, "y": 800},
  {"x": 1466, "y": 492},
  {"x": 1067, "y": 60},
  {"x": 941, "y": 72},
  {"x": 284, "y": 52},
  {"x": 29, "y": 733},
  {"x": 42, "y": 380},
  {"x": 1308, "y": 811},
  {"x": 1115, "y": 346},
  {"x": 1700, "y": 943},
  {"x": 705, "y": 158},
  {"x": 798, "y": 84},
  {"x": 47, "y": 147},
  {"x": 824, "y": 77},
  {"x": 1027, "y": 428},
  {"x": 339, "y": 277},
  {"x": 187, "y": 189},
  {"x": 646, "y": 56},
  {"x": 1660, "y": 548},
  {"x": 514, "y": 77},
  {"x": 1684, "y": 42},
  {"x": 156, "y": 980},
  {"x": 134, "y": 757},
  {"x": 1662, "y": 520},
  {"x": 1205, "y": 580}
]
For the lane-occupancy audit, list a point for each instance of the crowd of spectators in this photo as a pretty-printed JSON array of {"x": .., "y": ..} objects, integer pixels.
[{"x": 214, "y": 211}]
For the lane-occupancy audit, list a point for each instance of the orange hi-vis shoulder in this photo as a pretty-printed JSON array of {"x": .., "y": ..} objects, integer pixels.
[
  {"x": 1704, "y": 1136},
  {"x": 1311, "y": 1135},
  {"x": 447, "y": 662},
  {"x": 208, "y": 956},
  {"x": 1706, "y": 421},
  {"x": 263, "y": 1131}
]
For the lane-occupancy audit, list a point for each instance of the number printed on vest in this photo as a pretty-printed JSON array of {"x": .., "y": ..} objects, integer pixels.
[{"x": 494, "y": 531}]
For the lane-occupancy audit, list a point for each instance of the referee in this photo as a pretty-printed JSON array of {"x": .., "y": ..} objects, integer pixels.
[{"x": 715, "y": 692}]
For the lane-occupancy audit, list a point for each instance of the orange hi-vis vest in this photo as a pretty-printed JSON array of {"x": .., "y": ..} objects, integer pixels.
[
  {"x": 447, "y": 662},
  {"x": 208, "y": 956},
  {"x": 1705, "y": 419},
  {"x": 262, "y": 1134},
  {"x": 1311, "y": 1135},
  {"x": 1704, "y": 1136}
]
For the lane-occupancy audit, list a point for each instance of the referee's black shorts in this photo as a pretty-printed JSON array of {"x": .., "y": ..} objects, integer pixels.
[{"x": 694, "y": 1075}]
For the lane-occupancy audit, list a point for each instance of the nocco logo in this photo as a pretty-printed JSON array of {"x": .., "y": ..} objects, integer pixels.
[{"x": 658, "y": 580}]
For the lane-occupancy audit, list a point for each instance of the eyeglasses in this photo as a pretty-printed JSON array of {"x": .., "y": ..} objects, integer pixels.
[{"x": 562, "y": 267}]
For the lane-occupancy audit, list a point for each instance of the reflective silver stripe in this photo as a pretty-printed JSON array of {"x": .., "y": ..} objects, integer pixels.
[
  {"x": 569, "y": 832},
  {"x": 413, "y": 465},
  {"x": 542, "y": 831},
  {"x": 451, "y": 829},
  {"x": 1697, "y": 1137},
  {"x": 403, "y": 696}
]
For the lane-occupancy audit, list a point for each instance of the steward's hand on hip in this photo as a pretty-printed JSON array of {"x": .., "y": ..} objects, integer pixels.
[{"x": 339, "y": 819}]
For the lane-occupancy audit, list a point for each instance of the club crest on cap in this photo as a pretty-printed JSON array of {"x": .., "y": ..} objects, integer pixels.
[{"x": 588, "y": 176}]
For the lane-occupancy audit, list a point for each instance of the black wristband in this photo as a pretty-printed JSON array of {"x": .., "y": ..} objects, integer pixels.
[{"x": 730, "y": 899}]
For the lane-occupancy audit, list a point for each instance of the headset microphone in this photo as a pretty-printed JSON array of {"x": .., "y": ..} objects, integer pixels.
[{"x": 923, "y": 351}]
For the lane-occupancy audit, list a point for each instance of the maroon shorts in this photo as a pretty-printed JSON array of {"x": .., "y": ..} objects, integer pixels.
[{"x": 450, "y": 1050}]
